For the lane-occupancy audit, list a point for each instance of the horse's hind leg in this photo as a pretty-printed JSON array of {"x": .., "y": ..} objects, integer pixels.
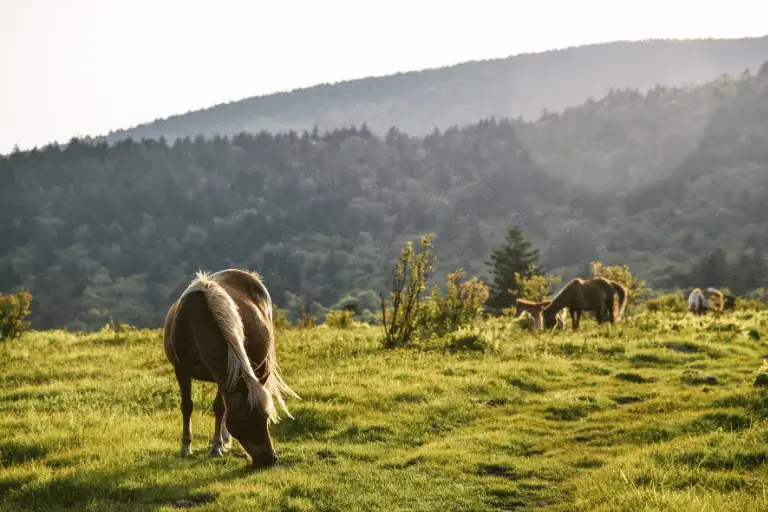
[
  {"x": 185, "y": 386},
  {"x": 575, "y": 314},
  {"x": 221, "y": 439}
]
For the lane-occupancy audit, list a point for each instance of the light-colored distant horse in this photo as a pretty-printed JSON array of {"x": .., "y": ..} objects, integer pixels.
[
  {"x": 700, "y": 301},
  {"x": 594, "y": 294},
  {"x": 535, "y": 310},
  {"x": 220, "y": 324}
]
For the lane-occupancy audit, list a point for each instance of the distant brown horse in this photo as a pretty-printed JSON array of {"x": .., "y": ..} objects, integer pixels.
[
  {"x": 595, "y": 294},
  {"x": 700, "y": 301},
  {"x": 221, "y": 323},
  {"x": 535, "y": 310}
]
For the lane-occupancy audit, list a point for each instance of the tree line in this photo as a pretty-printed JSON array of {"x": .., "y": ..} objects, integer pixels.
[{"x": 94, "y": 230}]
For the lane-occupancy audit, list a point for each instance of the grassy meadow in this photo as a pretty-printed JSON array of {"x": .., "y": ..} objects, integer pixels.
[{"x": 657, "y": 413}]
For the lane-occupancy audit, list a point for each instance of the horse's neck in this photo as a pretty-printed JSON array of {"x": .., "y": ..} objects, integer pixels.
[{"x": 559, "y": 301}]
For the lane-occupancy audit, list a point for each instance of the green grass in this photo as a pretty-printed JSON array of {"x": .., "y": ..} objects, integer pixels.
[{"x": 659, "y": 413}]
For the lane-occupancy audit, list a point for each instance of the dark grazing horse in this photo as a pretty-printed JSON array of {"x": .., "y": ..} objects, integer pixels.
[
  {"x": 220, "y": 324},
  {"x": 595, "y": 294}
]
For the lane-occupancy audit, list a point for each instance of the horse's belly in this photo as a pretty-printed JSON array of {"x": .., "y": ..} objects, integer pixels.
[{"x": 200, "y": 372}]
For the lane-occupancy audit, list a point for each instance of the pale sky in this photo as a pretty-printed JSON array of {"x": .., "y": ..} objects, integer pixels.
[{"x": 84, "y": 67}]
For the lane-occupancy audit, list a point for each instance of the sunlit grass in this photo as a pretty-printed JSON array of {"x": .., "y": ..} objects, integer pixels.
[{"x": 659, "y": 413}]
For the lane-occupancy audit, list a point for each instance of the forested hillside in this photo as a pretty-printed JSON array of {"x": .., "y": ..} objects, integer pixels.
[
  {"x": 94, "y": 230},
  {"x": 521, "y": 85}
]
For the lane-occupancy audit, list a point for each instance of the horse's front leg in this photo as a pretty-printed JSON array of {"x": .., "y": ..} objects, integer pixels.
[
  {"x": 575, "y": 318},
  {"x": 221, "y": 440},
  {"x": 185, "y": 386}
]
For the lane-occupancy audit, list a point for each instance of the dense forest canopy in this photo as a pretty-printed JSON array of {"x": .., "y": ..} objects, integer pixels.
[
  {"x": 520, "y": 85},
  {"x": 94, "y": 230}
]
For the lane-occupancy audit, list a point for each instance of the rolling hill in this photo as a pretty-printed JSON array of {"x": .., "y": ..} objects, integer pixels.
[{"x": 521, "y": 85}]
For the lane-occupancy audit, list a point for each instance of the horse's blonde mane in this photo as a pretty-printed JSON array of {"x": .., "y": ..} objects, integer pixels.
[
  {"x": 228, "y": 320},
  {"x": 275, "y": 383}
]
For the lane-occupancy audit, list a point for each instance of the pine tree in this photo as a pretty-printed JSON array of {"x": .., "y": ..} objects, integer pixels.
[{"x": 515, "y": 255}]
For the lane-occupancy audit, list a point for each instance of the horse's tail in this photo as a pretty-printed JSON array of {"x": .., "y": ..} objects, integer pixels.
[
  {"x": 621, "y": 292},
  {"x": 225, "y": 313}
]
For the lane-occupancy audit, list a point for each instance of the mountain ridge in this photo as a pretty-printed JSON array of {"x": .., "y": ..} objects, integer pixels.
[{"x": 522, "y": 85}]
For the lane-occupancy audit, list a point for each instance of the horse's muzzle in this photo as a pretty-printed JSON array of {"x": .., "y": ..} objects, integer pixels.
[{"x": 263, "y": 459}]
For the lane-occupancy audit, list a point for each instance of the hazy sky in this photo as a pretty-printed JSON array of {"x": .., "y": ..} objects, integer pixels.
[{"x": 84, "y": 67}]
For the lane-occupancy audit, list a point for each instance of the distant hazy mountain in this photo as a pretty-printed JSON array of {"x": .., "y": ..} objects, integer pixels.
[{"x": 522, "y": 85}]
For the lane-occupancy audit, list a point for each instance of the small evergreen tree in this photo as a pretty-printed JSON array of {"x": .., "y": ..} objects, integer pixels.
[{"x": 516, "y": 257}]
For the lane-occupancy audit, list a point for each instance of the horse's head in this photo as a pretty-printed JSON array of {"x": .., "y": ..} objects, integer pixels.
[
  {"x": 249, "y": 424},
  {"x": 549, "y": 316}
]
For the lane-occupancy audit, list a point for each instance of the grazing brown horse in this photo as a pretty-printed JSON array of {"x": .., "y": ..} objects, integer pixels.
[
  {"x": 220, "y": 324},
  {"x": 595, "y": 294},
  {"x": 700, "y": 301},
  {"x": 535, "y": 310}
]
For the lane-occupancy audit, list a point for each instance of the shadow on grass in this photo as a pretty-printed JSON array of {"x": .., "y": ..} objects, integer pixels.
[{"x": 117, "y": 490}]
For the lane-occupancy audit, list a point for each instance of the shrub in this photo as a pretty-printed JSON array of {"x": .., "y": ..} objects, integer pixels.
[
  {"x": 620, "y": 274},
  {"x": 535, "y": 286},
  {"x": 469, "y": 340},
  {"x": 401, "y": 313},
  {"x": 339, "y": 318},
  {"x": 280, "y": 319},
  {"x": 117, "y": 326},
  {"x": 306, "y": 321},
  {"x": 14, "y": 308},
  {"x": 525, "y": 322},
  {"x": 749, "y": 304},
  {"x": 674, "y": 302},
  {"x": 461, "y": 305}
]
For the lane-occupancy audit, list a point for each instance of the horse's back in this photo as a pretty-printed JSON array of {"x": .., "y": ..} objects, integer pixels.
[
  {"x": 254, "y": 306},
  {"x": 194, "y": 332},
  {"x": 598, "y": 289}
]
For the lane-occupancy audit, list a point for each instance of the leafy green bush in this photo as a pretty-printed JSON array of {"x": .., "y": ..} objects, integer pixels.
[
  {"x": 339, "y": 318},
  {"x": 14, "y": 308},
  {"x": 402, "y": 312},
  {"x": 622, "y": 275},
  {"x": 468, "y": 340},
  {"x": 749, "y": 304},
  {"x": 460, "y": 307},
  {"x": 672, "y": 302},
  {"x": 280, "y": 319},
  {"x": 307, "y": 321},
  {"x": 535, "y": 286}
]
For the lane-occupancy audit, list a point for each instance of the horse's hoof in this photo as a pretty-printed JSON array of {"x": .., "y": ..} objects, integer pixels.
[
  {"x": 216, "y": 452},
  {"x": 185, "y": 451}
]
